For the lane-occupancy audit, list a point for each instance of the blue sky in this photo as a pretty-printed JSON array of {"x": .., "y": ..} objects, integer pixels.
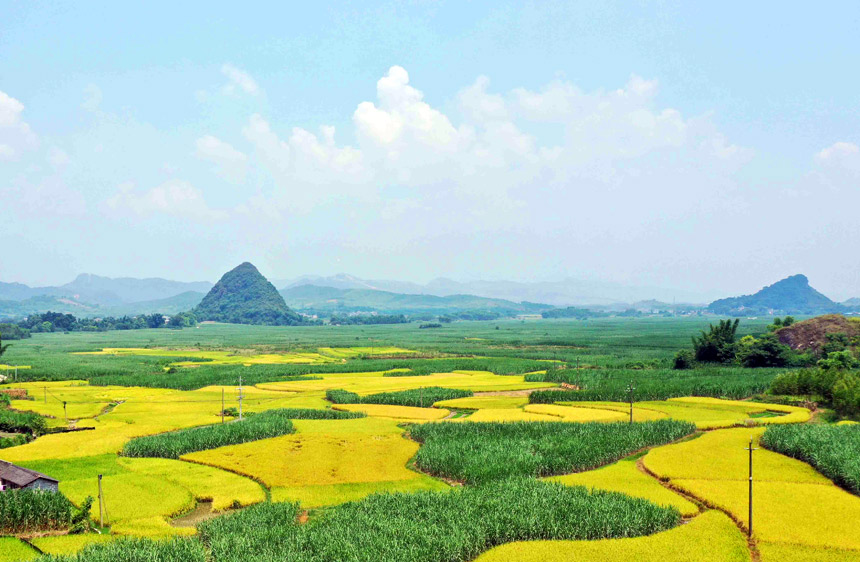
[{"x": 709, "y": 147}]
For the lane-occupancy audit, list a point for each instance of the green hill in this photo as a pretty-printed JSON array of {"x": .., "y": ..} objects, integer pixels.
[
  {"x": 244, "y": 296},
  {"x": 792, "y": 295},
  {"x": 327, "y": 300}
]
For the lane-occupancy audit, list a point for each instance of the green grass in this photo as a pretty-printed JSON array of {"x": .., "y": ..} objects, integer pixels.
[
  {"x": 33, "y": 510},
  {"x": 478, "y": 452},
  {"x": 432, "y": 526},
  {"x": 136, "y": 550},
  {"x": 270, "y": 423},
  {"x": 833, "y": 450},
  {"x": 416, "y": 397},
  {"x": 655, "y": 384},
  {"x": 417, "y": 527}
]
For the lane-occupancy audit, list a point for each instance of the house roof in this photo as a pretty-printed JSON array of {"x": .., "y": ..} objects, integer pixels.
[{"x": 19, "y": 475}]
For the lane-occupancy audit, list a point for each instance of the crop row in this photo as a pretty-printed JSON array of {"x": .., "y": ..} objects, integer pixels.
[
  {"x": 416, "y": 397},
  {"x": 480, "y": 452},
  {"x": 419, "y": 527},
  {"x": 832, "y": 450},
  {"x": 612, "y": 386},
  {"x": 270, "y": 423},
  {"x": 33, "y": 510}
]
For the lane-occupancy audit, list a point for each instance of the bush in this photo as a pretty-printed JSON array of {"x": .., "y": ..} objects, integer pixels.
[
  {"x": 846, "y": 395},
  {"x": 25, "y": 511},
  {"x": 684, "y": 359},
  {"x": 21, "y": 422},
  {"x": 766, "y": 351},
  {"x": 718, "y": 344},
  {"x": 832, "y": 450},
  {"x": 477, "y": 452}
]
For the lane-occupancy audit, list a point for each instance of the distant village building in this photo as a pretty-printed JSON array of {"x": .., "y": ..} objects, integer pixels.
[{"x": 14, "y": 477}]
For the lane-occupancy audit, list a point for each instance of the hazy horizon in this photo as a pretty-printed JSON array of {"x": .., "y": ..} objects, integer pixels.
[{"x": 672, "y": 146}]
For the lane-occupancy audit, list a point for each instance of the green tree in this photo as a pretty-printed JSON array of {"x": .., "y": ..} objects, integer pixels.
[
  {"x": 766, "y": 351},
  {"x": 3, "y": 348},
  {"x": 718, "y": 344}
]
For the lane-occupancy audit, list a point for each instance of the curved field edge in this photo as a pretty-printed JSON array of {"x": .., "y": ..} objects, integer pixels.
[
  {"x": 832, "y": 450},
  {"x": 480, "y": 452},
  {"x": 419, "y": 527},
  {"x": 710, "y": 536}
]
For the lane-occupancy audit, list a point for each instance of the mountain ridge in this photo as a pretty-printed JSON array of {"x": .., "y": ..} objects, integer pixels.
[
  {"x": 327, "y": 300},
  {"x": 792, "y": 295}
]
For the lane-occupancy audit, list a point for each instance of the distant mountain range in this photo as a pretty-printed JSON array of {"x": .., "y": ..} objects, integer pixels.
[
  {"x": 93, "y": 295},
  {"x": 557, "y": 293},
  {"x": 314, "y": 299},
  {"x": 99, "y": 290},
  {"x": 792, "y": 295}
]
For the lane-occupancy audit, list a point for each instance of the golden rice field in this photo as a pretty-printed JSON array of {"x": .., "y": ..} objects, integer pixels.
[
  {"x": 793, "y": 504},
  {"x": 709, "y": 537},
  {"x": 800, "y": 514},
  {"x": 191, "y": 357},
  {"x": 14, "y": 550}
]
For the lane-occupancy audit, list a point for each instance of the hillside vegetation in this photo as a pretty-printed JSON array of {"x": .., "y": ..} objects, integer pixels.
[{"x": 244, "y": 296}]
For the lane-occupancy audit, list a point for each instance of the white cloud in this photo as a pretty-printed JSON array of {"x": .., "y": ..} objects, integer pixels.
[
  {"x": 511, "y": 151},
  {"x": 57, "y": 157},
  {"x": 229, "y": 162},
  {"x": 15, "y": 133},
  {"x": 839, "y": 153},
  {"x": 92, "y": 97},
  {"x": 174, "y": 197},
  {"x": 239, "y": 79}
]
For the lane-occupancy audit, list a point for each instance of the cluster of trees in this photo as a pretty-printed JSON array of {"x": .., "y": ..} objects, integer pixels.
[
  {"x": 14, "y": 332},
  {"x": 368, "y": 319},
  {"x": 573, "y": 312},
  {"x": 470, "y": 315},
  {"x": 834, "y": 381},
  {"x": 721, "y": 345},
  {"x": 59, "y": 322}
]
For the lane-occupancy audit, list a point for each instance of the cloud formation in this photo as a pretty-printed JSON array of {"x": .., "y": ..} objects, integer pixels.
[
  {"x": 239, "y": 79},
  {"x": 15, "y": 134},
  {"x": 229, "y": 162},
  {"x": 174, "y": 197}
]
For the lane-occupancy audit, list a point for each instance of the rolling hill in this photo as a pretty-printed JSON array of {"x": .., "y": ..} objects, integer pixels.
[
  {"x": 792, "y": 295},
  {"x": 327, "y": 300}
]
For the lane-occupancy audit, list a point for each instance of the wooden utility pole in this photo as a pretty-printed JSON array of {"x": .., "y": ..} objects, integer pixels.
[
  {"x": 222, "y": 405},
  {"x": 65, "y": 411},
  {"x": 240, "y": 397},
  {"x": 751, "y": 449},
  {"x": 630, "y": 389},
  {"x": 46, "y": 395},
  {"x": 101, "y": 504}
]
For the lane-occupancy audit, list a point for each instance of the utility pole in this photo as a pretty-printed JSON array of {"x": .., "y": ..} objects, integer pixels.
[
  {"x": 751, "y": 449},
  {"x": 46, "y": 395},
  {"x": 65, "y": 412},
  {"x": 421, "y": 396},
  {"x": 240, "y": 397},
  {"x": 222, "y": 404},
  {"x": 101, "y": 504},
  {"x": 630, "y": 389}
]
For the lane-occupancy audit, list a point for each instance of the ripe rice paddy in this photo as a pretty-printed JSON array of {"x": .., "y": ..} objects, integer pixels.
[{"x": 327, "y": 463}]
